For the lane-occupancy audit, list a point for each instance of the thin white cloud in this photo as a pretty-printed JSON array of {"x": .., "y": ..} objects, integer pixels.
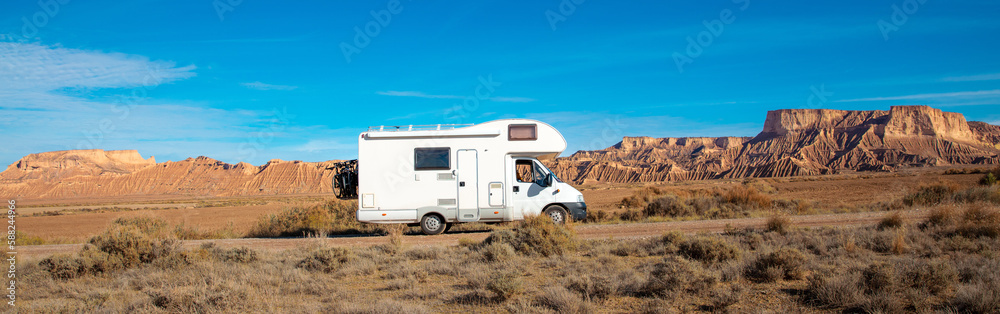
[
  {"x": 935, "y": 96},
  {"x": 323, "y": 145},
  {"x": 512, "y": 99},
  {"x": 35, "y": 67},
  {"x": 430, "y": 96},
  {"x": 264, "y": 86},
  {"x": 972, "y": 78},
  {"x": 418, "y": 95}
]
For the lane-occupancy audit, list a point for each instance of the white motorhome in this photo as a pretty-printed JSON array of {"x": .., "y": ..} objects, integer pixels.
[{"x": 438, "y": 175}]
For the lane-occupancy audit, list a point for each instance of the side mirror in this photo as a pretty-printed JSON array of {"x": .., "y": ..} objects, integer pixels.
[{"x": 548, "y": 180}]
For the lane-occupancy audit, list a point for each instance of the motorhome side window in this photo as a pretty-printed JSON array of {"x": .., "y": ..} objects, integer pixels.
[
  {"x": 528, "y": 172},
  {"x": 432, "y": 158},
  {"x": 522, "y": 132}
]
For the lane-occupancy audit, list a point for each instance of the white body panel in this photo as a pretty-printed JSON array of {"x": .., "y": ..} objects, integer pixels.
[{"x": 477, "y": 185}]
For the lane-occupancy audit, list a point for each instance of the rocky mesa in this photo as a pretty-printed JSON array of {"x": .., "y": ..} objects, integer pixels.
[
  {"x": 793, "y": 142},
  {"x": 99, "y": 173},
  {"x": 797, "y": 142}
]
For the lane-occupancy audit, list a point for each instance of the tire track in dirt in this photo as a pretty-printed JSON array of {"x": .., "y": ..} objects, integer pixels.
[{"x": 588, "y": 231}]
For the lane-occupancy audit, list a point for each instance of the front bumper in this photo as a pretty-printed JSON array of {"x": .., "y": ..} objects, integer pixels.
[{"x": 577, "y": 210}]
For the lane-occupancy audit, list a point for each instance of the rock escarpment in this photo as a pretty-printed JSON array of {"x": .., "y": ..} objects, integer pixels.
[
  {"x": 797, "y": 142},
  {"x": 793, "y": 142},
  {"x": 99, "y": 173}
]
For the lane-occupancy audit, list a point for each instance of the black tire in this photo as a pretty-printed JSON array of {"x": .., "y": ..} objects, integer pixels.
[
  {"x": 337, "y": 189},
  {"x": 433, "y": 224},
  {"x": 558, "y": 214}
]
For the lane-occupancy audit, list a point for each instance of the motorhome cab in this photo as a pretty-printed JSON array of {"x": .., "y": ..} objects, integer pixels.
[{"x": 439, "y": 175}]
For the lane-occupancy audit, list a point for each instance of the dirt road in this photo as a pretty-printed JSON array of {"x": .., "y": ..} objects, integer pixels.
[{"x": 584, "y": 231}]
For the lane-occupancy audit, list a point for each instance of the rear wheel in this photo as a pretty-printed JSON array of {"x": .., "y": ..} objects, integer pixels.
[
  {"x": 432, "y": 224},
  {"x": 557, "y": 213}
]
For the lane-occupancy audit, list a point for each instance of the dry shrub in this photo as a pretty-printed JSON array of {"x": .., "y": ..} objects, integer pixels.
[
  {"x": 184, "y": 232},
  {"x": 563, "y": 301},
  {"x": 932, "y": 194},
  {"x": 980, "y": 221},
  {"x": 784, "y": 263},
  {"x": 238, "y": 255},
  {"x": 536, "y": 235},
  {"x": 333, "y": 217},
  {"x": 942, "y": 216},
  {"x": 899, "y": 243},
  {"x": 839, "y": 290},
  {"x": 891, "y": 221},
  {"x": 127, "y": 243},
  {"x": 980, "y": 297},
  {"x": 505, "y": 284},
  {"x": 424, "y": 253},
  {"x": 592, "y": 286},
  {"x": 26, "y": 239},
  {"x": 936, "y": 277},
  {"x": 62, "y": 266},
  {"x": 759, "y": 185},
  {"x": 978, "y": 194},
  {"x": 779, "y": 223},
  {"x": 675, "y": 274},
  {"x": 598, "y": 216},
  {"x": 747, "y": 196},
  {"x": 905, "y": 283},
  {"x": 325, "y": 259},
  {"x": 498, "y": 252},
  {"x": 640, "y": 198},
  {"x": 723, "y": 298},
  {"x": 631, "y": 215},
  {"x": 878, "y": 277},
  {"x": 709, "y": 250},
  {"x": 382, "y": 306},
  {"x": 668, "y": 206}
]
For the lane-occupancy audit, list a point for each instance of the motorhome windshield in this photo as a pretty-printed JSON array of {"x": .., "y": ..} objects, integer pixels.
[{"x": 546, "y": 170}]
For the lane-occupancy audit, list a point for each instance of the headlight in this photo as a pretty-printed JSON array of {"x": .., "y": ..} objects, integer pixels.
[{"x": 579, "y": 198}]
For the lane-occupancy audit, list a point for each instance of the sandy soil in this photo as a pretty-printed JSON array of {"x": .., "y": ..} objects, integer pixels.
[
  {"x": 241, "y": 213},
  {"x": 608, "y": 231}
]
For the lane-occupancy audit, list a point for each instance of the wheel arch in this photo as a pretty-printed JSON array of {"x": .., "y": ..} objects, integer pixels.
[{"x": 432, "y": 210}]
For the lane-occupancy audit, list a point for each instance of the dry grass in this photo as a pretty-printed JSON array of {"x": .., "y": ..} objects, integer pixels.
[
  {"x": 333, "y": 217},
  {"x": 536, "y": 235},
  {"x": 778, "y": 223},
  {"x": 949, "y": 264}
]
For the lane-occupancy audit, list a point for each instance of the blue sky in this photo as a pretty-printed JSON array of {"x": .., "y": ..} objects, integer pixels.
[{"x": 245, "y": 80}]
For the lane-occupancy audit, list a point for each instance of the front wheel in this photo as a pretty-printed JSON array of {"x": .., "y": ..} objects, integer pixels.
[
  {"x": 432, "y": 224},
  {"x": 557, "y": 213}
]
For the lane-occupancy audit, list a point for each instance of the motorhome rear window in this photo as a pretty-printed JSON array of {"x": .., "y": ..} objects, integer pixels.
[
  {"x": 432, "y": 158},
  {"x": 522, "y": 132}
]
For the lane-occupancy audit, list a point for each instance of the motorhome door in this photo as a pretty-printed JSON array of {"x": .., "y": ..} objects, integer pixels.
[
  {"x": 467, "y": 164},
  {"x": 529, "y": 196}
]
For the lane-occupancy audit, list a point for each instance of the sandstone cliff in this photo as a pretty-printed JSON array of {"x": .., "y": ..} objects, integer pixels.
[
  {"x": 98, "y": 173},
  {"x": 792, "y": 142},
  {"x": 797, "y": 142}
]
